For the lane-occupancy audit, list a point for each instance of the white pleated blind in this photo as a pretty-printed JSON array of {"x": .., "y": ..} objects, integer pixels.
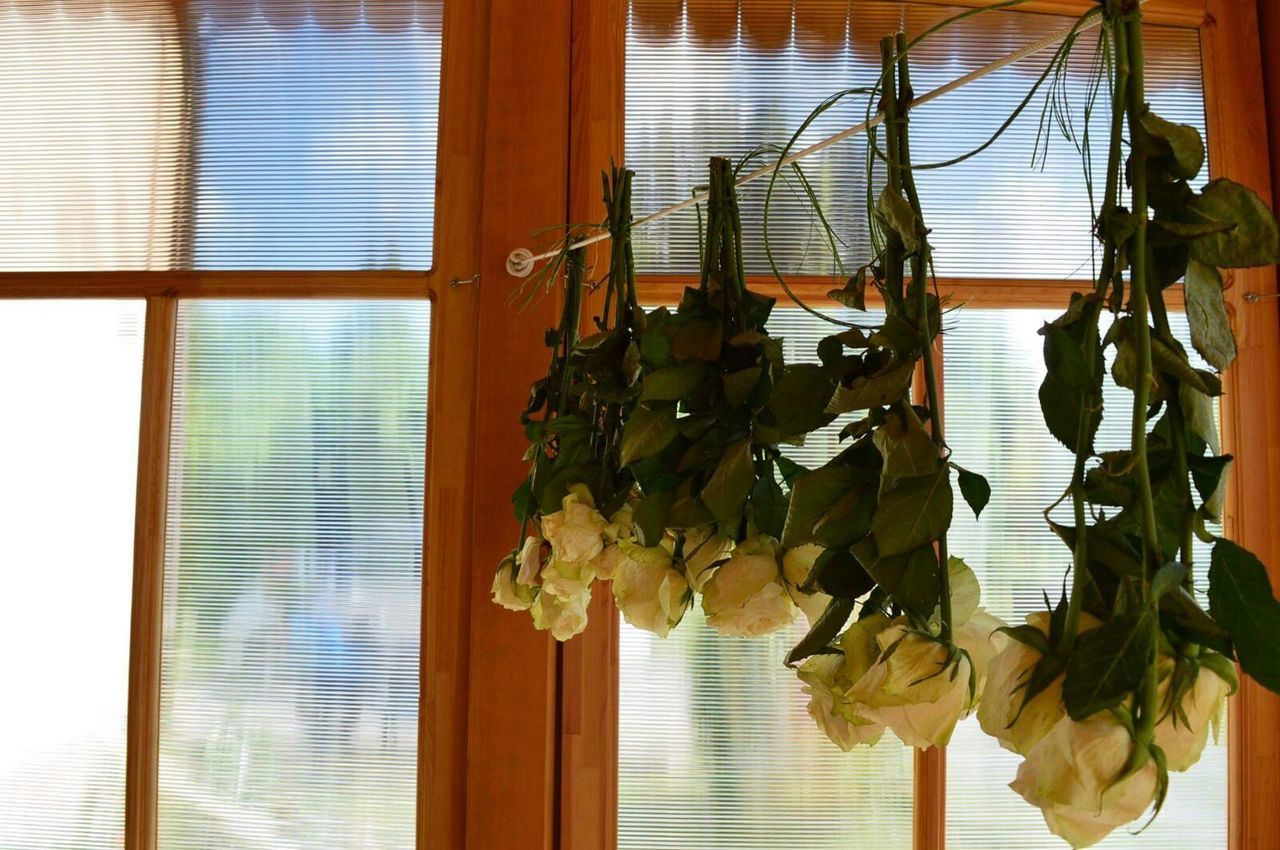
[
  {"x": 293, "y": 576},
  {"x": 993, "y": 369},
  {"x": 149, "y": 134},
  {"x": 719, "y": 77},
  {"x": 716, "y": 748},
  {"x": 73, "y": 369}
]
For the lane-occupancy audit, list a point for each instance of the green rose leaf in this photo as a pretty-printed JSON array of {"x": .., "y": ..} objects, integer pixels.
[
  {"x": 727, "y": 489},
  {"x": 1179, "y": 143},
  {"x": 1253, "y": 239},
  {"x": 1241, "y": 601},
  {"x": 905, "y": 445},
  {"x": 849, "y": 520},
  {"x": 1071, "y": 393},
  {"x": 1210, "y": 477},
  {"x": 646, "y": 433},
  {"x": 854, "y": 293},
  {"x": 1168, "y": 577},
  {"x": 975, "y": 489},
  {"x": 812, "y": 495},
  {"x": 915, "y": 512},
  {"x": 1199, "y": 411},
  {"x": 1207, "y": 314},
  {"x": 1181, "y": 608},
  {"x": 796, "y": 405},
  {"x": 911, "y": 578},
  {"x": 769, "y": 505},
  {"x": 673, "y": 382},
  {"x": 838, "y": 573},
  {"x": 885, "y": 387},
  {"x": 739, "y": 385},
  {"x": 651, "y": 516},
  {"x": 824, "y": 631},
  {"x": 1107, "y": 664}
]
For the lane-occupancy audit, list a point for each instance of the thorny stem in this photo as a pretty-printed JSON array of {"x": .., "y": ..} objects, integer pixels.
[
  {"x": 893, "y": 252},
  {"x": 1110, "y": 200},
  {"x": 1131, "y": 23},
  {"x": 920, "y": 290}
]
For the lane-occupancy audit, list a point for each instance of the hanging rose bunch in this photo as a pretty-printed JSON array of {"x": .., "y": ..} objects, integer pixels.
[
  {"x": 575, "y": 504},
  {"x": 873, "y": 520},
  {"x": 1122, "y": 682}
]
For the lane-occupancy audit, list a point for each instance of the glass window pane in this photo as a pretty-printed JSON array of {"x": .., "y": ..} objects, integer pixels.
[
  {"x": 73, "y": 371},
  {"x": 993, "y": 369},
  {"x": 716, "y": 747},
  {"x": 317, "y": 133},
  {"x": 251, "y": 134},
  {"x": 294, "y": 575},
  {"x": 719, "y": 77}
]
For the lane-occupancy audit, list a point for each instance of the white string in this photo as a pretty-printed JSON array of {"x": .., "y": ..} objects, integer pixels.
[{"x": 521, "y": 261}]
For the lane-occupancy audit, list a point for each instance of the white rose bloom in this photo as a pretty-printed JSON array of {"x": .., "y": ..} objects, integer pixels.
[
  {"x": 621, "y": 525},
  {"x": 797, "y": 563},
  {"x": 1004, "y": 692},
  {"x": 567, "y": 579},
  {"x": 507, "y": 590},
  {"x": 564, "y": 617},
  {"x": 606, "y": 563},
  {"x": 651, "y": 593},
  {"x": 827, "y": 679},
  {"x": 914, "y": 692},
  {"x": 530, "y": 561},
  {"x": 701, "y": 552},
  {"x": 1070, "y": 775},
  {"x": 746, "y": 596},
  {"x": 1183, "y": 733},
  {"x": 576, "y": 531}
]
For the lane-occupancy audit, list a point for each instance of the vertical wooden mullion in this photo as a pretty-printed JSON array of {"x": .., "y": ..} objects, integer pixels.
[
  {"x": 1237, "y": 123},
  {"x": 589, "y": 663},
  {"x": 142, "y": 761}
]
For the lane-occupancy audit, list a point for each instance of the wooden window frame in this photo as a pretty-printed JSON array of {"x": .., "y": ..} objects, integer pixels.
[
  {"x": 1236, "y": 120},
  {"x": 444, "y": 650}
]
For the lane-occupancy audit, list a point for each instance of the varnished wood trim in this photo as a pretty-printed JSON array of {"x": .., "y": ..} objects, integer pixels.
[
  {"x": 447, "y": 516},
  {"x": 1236, "y": 114},
  {"x": 228, "y": 284},
  {"x": 512, "y": 694},
  {"x": 589, "y": 663},
  {"x": 972, "y": 292},
  {"x": 147, "y": 630}
]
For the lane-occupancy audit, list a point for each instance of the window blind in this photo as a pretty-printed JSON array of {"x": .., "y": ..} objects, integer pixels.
[
  {"x": 148, "y": 134},
  {"x": 293, "y": 576},
  {"x": 993, "y": 369},
  {"x": 73, "y": 369},
  {"x": 718, "y": 77},
  {"x": 716, "y": 748}
]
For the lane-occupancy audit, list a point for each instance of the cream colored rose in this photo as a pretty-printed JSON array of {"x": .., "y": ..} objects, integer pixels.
[
  {"x": 606, "y": 563},
  {"x": 530, "y": 560},
  {"x": 797, "y": 563},
  {"x": 746, "y": 596},
  {"x": 567, "y": 579},
  {"x": 565, "y": 618},
  {"x": 1070, "y": 775},
  {"x": 651, "y": 593},
  {"x": 828, "y": 678},
  {"x": 917, "y": 690},
  {"x": 576, "y": 531},
  {"x": 1184, "y": 732},
  {"x": 507, "y": 591},
  {"x": 1003, "y": 696},
  {"x": 702, "y": 551}
]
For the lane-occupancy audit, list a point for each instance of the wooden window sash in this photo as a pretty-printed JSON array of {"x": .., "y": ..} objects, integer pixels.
[{"x": 1236, "y": 121}]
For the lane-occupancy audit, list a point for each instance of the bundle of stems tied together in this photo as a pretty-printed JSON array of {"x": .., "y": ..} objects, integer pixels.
[{"x": 657, "y": 464}]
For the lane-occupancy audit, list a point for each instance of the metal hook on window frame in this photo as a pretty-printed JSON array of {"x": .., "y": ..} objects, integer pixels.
[
  {"x": 456, "y": 282},
  {"x": 1255, "y": 297}
]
